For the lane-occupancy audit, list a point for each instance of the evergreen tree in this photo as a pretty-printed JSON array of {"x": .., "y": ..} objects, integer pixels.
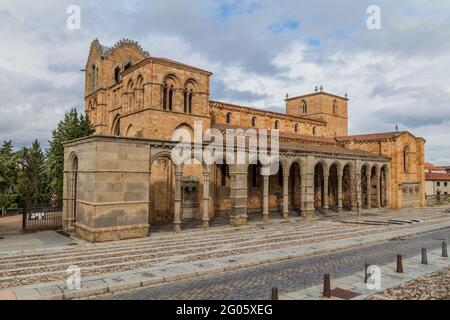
[
  {"x": 32, "y": 183},
  {"x": 9, "y": 168},
  {"x": 73, "y": 126}
]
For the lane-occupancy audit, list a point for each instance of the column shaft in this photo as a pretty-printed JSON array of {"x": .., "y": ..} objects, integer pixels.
[
  {"x": 205, "y": 218},
  {"x": 325, "y": 191},
  {"x": 339, "y": 187},
  {"x": 177, "y": 214},
  {"x": 286, "y": 196},
  {"x": 266, "y": 199}
]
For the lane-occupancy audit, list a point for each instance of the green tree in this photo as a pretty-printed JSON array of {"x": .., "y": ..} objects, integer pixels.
[
  {"x": 32, "y": 184},
  {"x": 73, "y": 126},
  {"x": 9, "y": 168}
]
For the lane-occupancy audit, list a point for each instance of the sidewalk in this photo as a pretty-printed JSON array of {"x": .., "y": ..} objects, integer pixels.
[
  {"x": 177, "y": 270},
  {"x": 353, "y": 287}
]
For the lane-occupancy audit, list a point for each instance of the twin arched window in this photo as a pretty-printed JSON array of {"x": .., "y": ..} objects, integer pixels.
[
  {"x": 168, "y": 91},
  {"x": 304, "y": 106},
  {"x": 168, "y": 95}
]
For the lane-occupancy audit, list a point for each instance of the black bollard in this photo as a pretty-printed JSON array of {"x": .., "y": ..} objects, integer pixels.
[
  {"x": 399, "y": 264},
  {"x": 366, "y": 275},
  {"x": 326, "y": 286},
  {"x": 274, "y": 293},
  {"x": 424, "y": 256},
  {"x": 444, "y": 249}
]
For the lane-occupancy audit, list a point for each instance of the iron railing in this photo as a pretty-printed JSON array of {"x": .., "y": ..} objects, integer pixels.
[{"x": 41, "y": 219}]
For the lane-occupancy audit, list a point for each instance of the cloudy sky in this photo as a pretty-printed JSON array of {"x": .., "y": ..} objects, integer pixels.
[{"x": 257, "y": 50}]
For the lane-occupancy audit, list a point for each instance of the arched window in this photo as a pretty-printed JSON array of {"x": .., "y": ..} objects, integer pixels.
[
  {"x": 314, "y": 131},
  {"x": 304, "y": 106},
  {"x": 254, "y": 122},
  {"x": 296, "y": 128},
  {"x": 117, "y": 74},
  {"x": 228, "y": 117},
  {"x": 191, "y": 95},
  {"x": 140, "y": 93},
  {"x": 185, "y": 101},
  {"x": 130, "y": 93},
  {"x": 127, "y": 65},
  {"x": 171, "y": 98},
  {"x": 277, "y": 125},
  {"x": 92, "y": 74},
  {"x": 405, "y": 158},
  {"x": 335, "y": 107},
  {"x": 164, "y": 94}
]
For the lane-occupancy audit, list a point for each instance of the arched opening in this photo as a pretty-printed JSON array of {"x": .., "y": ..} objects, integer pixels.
[
  {"x": 333, "y": 188},
  {"x": 373, "y": 187},
  {"x": 92, "y": 78},
  {"x": 162, "y": 191},
  {"x": 347, "y": 188},
  {"x": 228, "y": 118},
  {"x": 277, "y": 125},
  {"x": 318, "y": 185},
  {"x": 117, "y": 74},
  {"x": 255, "y": 188},
  {"x": 222, "y": 190},
  {"x": 296, "y": 126},
  {"x": 168, "y": 92},
  {"x": 405, "y": 159},
  {"x": 383, "y": 187},
  {"x": 276, "y": 190},
  {"x": 116, "y": 126},
  {"x": 130, "y": 95},
  {"x": 295, "y": 190},
  {"x": 74, "y": 188},
  {"x": 364, "y": 186},
  {"x": 335, "y": 107}
]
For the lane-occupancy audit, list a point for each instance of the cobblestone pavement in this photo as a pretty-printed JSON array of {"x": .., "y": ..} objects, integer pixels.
[
  {"x": 292, "y": 275},
  {"x": 169, "y": 249},
  {"x": 435, "y": 286}
]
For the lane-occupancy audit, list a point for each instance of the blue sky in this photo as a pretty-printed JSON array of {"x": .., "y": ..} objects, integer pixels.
[{"x": 257, "y": 50}]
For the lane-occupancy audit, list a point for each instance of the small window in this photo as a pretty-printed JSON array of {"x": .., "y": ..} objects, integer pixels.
[
  {"x": 170, "y": 98},
  {"x": 117, "y": 74},
  {"x": 296, "y": 128},
  {"x": 438, "y": 184},
  {"x": 165, "y": 98},
  {"x": 314, "y": 131},
  {"x": 185, "y": 101},
  {"x": 335, "y": 107},
  {"x": 277, "y": 125},
  {"x": 254, "y": 122},
  {"x": 127, "y": 66},
  {"x": 445, "y": 184},
  {"x": 405, "y": 159},
  {"x": 191, "y": 95},
  {"x": 228, "y": 117}
]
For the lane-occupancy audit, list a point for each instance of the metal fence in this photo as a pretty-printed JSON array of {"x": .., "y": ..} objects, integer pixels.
[{"x": 41, "y": 219}]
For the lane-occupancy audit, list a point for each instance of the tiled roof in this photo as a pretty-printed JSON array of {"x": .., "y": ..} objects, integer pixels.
[
  {"x": 437, "y": 176},
  {"x": 432, "y": 167},
  {"x": 371, "y": 136},
  {"x": 304, "y": 143}
]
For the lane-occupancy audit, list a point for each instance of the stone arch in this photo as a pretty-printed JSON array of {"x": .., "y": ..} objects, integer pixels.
[
  {"x": 73, "y": 169},
  {"x": 320, "y": 168},
  {"x": 348, "y": 188},
  {"x": 295, "y": 194},
  {"x": 131, "y": 132},
  {"x": 115, "y": 128},
  {"x": 384, "y": 188},
  {"x": 365, "y": 172},
  {"x": 333, "y": 180},
  {"x": 373, "y": 192}
]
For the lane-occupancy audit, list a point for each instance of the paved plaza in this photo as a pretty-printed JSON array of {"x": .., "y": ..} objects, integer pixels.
[{"x": 166, "y": 258}]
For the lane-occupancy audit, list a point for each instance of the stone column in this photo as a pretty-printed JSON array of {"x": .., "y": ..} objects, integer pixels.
[
  {"x": 205, "y": 218},
  {"x": 378, "y": 190},
  {"x": 325, "y": 191},
  {"x": 308, "y": 200},
  {"x": 266, "y": 199},
  {"x": 369, "y": 198},
  {"x": 339, "y": 187},
  {"x": 387, "y": 196},
  {"x": 238, "y": 195},
  {"x": 286, "y": 195},
  {"x": 177, "y": 214}
]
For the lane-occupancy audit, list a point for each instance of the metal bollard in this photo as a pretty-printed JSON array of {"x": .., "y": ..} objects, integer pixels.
[
  {"x": 366, "y": 275},
  {"x": 326, "y": 286},
  {"x": 399, "y": 263},
  {"x": 424, "y": 256},
  {"x": 444, "y": 249},
  {"x": 274, "y": 293}
]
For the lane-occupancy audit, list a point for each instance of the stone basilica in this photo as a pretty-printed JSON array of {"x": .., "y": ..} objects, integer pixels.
[{"x": 121, "y": 181}]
